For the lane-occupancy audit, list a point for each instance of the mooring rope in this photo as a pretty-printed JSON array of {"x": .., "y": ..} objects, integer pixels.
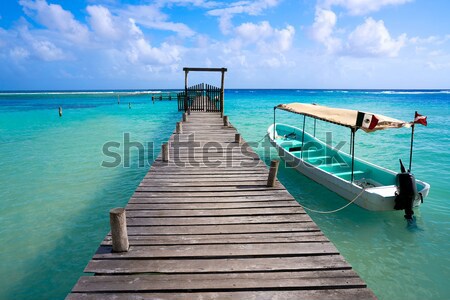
[
  {"x": 325, "y": 212},
  {"x": 333, "y": 211}
]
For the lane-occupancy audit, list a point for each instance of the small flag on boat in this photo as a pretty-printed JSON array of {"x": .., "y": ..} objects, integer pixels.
[
  {"x": 367, "y": 121},
  {"x": 419, "y": 119}
]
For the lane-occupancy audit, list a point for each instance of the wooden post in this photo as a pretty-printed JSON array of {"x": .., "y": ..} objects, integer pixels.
[
  {"x": 60, "y": 111},
  {"x": 186, "y": 90},
  {"x": 179, "y": 127},
  {"x": 273, "y": 172},
  {"x": 225, "y": 121},
  {"x": 165, "y": 151},
  {"x": 237, "y": 138},
  {"x": 222, "y": 94},
  {"x": 184, "y": 117},
  {"x": 189, "y": 111},
  {"x": 118, "y": 222}
]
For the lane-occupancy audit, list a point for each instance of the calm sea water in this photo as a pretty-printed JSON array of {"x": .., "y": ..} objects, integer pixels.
[{"x": 55, "y": 195}]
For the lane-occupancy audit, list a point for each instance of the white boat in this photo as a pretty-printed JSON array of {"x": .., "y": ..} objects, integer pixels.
[{"x": 365, "y": 184}]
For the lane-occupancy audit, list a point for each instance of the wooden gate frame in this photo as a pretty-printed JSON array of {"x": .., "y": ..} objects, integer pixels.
[{"x": 186, "y": 72}]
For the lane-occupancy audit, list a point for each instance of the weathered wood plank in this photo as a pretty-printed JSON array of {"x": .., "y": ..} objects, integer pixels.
[
  {"x": 319, "y": 294},
  {"x": 215, "y": 250},
  {"x": 137, "y": 220},
  {"x": 227, "y": 281},
  {"x": 222, "y": 229},
  {"x": 271, "y": 211},
  {"x": 209, "y": 194},
  {"x": 223, "y": 199},
  {"x": 250, "y": 238},
  {"x": 169, "y": 183},
  {"x": 298, "y": 263},
  {"x": 209, "y": 205}
]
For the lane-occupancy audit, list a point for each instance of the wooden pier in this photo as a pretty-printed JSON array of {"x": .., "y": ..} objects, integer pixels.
[{"x": 205, "y": 225}]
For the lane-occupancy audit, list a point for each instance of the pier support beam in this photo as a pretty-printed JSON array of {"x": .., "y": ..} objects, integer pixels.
[
  {"x": 273, "y": 173},
  {"x": 118, "y": 222},
  {"x": 226, "y": 122}
]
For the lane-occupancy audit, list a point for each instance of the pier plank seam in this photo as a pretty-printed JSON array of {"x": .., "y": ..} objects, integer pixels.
[{"x": 208, "y": 230}]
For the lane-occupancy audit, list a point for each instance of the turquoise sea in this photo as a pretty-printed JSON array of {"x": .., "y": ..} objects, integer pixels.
[{"x": 55, "y": 195}]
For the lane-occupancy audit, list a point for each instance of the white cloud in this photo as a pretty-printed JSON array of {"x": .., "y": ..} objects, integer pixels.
[
  {"x": 151, "y": 17},
  {"x": 54, "y": 17},
  {"x": 19, "y": 53},
  {"x": 39, "y": 47},
  {"x": 47, "y": 50},
  {"x": 241, "y": 7},
  {"x": 373, "y": 39},
  {"x": 323, "y": 27},
  {"x": 102, "y": 22},
  {"x": 266, "y": 38},
  {"x": 361, "y": 7},
  {"x": 141, "y": 51},
  {"x": 198, "y": 3}
]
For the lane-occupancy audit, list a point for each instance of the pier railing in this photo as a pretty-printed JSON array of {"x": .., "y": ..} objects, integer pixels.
[{"x": 200, "y": 97}]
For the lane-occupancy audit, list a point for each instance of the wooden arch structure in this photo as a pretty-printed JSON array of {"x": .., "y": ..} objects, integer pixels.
[{"x": 203, "y": 97}]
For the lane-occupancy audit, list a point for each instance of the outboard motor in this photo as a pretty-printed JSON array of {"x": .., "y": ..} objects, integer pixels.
[{"x": 406, "y": 191}]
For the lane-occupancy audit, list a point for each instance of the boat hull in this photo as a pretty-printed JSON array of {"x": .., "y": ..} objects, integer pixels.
[{"x": 366, "y": 188}]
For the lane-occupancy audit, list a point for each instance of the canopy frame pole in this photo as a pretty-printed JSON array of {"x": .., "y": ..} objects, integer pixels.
[
  {"x": 411, "y": 149},
  {"x": 353, "y": 151},
  {"x": 303, "y": 135},
  {"x": 274, "y": 109},
  {"x": 315, "y": 120},
  {"x": 351, "y": 143}
]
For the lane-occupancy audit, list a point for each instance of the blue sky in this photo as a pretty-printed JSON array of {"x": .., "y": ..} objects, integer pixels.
[{"x": 112, "y": 44}]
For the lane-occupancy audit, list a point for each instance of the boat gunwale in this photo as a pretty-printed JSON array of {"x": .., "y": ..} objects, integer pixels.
[{"x": 270, "y": 130}]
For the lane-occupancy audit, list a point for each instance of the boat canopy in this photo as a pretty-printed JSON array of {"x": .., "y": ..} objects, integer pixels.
[{"x": 367, "y": 121}]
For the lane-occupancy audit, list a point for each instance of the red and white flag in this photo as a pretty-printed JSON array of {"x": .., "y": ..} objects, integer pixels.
[
  {"x": 419, "y": 119},
  {"x": 369, "y": 121}
]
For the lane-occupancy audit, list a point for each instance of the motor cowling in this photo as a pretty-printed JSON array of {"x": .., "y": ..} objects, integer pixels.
[{"x": 406, "y": 191}]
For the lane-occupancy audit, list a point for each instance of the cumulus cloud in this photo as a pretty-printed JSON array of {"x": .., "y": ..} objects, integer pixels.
[
  {"x": 149, "y": 16},
  {"x": 323, "y": 27},
  {"x": 241, "y": 7},
  {"x": 266, "y": 38},
  {"x": 102, "y": 22},
  {"x": 54, "y": 17},
  {"x": 141, "y": 51},
  {"x": 373, "y": 39},
  {"x": 361, "y": 7}
]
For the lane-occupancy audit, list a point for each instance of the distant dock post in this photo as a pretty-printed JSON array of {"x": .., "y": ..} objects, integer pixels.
[
  {"x": 60, "y": 111},
  {"x": 118, "y": 222}
]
